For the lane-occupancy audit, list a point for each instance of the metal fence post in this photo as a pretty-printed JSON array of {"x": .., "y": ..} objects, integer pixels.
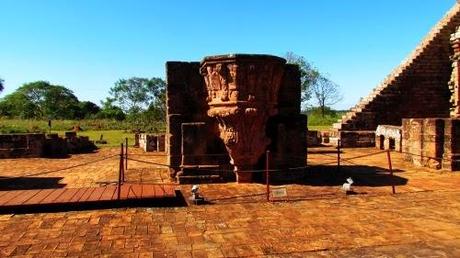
[
  {"x": 126, "y": 157},
  {"x": 267, "y": 173},
  {"x": 390, "y": 167},
  {"x": 338, "y": 154},
  {"x": 120, "y": 172}
]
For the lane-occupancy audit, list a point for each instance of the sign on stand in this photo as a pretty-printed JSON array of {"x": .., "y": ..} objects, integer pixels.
[{"x": 278, "y": 191}]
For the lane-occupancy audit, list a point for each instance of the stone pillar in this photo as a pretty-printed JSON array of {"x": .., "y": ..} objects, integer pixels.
[{"x": 242, "y": 95}]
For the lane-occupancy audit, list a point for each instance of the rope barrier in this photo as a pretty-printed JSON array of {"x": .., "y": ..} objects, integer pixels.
[
  {"x": 61, "y": 169},
  {"x": 364, "y": 156},
  {"x": 149, "y": 162}
]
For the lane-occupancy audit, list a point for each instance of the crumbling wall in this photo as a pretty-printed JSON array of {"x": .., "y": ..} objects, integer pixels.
[
  {"x": 388, "y": 137},
  {"x": 21, "y": 145},
  {"x": 151, "y": 142},
  {"x": 418, "y": 88},
  {"x": 186, "y": 103},
  {"x": 31, "y": 145},
  {"x": 432, "y": 142}
]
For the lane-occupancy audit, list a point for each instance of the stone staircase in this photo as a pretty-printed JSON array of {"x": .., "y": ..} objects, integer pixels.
[{"x": 383, "y": 104}]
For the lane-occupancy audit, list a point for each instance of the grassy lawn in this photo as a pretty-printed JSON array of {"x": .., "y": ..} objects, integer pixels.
[
  {"x": 113, "y": 137},
  {"x": 319, "y": 127}
]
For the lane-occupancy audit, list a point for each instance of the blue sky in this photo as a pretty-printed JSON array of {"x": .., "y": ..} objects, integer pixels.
[{"x": 86, "y": 45}]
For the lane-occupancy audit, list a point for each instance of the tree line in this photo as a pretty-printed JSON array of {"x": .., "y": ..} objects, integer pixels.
[
  {"x": 139, "y": 100},
  {"x": 135, "y": 99}
]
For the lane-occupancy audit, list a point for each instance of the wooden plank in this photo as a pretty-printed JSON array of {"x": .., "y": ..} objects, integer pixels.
[
  {"x": 86, "y": 195},
  {"x": 10, "y": 195},
  {"x": 148, "y": 191},
  {"x": 2, "y": 193},
  {"x": 42, "y": 194},
  {"x": 67, "y": 195},
  {"x": 125, "y": 189},
  {"x": 53, "y": 196},
  {"x": 136, "y": 192},
  {"x": 170, "y": 191},
  {"x": 96, "y": 195},
  {"x": 78, "y": 195},
  {"x": 21, "y": 197},
  {"x": 109, "y": 193},
  {"x": 159, "y": 192}
]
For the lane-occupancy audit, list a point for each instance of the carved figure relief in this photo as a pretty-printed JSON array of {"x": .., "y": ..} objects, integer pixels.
[{"x": 243, "y": 94}]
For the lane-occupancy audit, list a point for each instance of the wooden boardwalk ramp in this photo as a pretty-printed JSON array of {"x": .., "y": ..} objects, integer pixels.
[{"x": 61, "y": 199}]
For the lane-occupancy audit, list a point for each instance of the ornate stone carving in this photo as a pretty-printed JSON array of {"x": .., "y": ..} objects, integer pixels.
[{"x": 242, "y": 95}]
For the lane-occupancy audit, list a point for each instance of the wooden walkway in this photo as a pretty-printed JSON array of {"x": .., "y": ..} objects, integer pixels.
[{"x": 64, "y": 197}]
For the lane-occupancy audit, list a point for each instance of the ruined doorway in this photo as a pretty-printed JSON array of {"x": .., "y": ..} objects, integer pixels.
[
  {"x": 382, "y": 142},
  {"x": 391, "y": 144}
]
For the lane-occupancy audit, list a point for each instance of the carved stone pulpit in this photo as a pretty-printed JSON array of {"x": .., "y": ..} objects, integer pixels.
[{"x": 242, "y": 95}]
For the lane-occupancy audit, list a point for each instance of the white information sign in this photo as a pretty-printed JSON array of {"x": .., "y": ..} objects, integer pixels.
[{"x": 279, "y": 191}]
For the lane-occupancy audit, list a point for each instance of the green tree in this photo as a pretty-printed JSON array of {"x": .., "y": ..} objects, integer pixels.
[
  {"x": 138, "y": 95},
  {"x": 41, "y": 100},
  {"x": 1, "y": 84},
  {"x": 88, "y": 109},
  {"x": 309, "y": 75},
  {"x": 326, "y": 93},
  {"x": 110, "y": 111}
]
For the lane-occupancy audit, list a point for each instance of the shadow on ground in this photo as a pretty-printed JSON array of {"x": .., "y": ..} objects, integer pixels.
[
  {"x": 331, "y": 176},
  {"x": 27, "y": 183}
]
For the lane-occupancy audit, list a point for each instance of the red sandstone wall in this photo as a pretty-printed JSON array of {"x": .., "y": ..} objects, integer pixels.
[{"x": 418, "y": 88}]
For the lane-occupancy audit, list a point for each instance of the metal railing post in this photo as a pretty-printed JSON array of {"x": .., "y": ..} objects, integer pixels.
[
  {"x": 267, "y": 173},
  {"x": 339, "y": 143},
  {"x": 120, "y": 172},
  {"x": 126, "y": 157},
  {"x": 390, "y": 167}
]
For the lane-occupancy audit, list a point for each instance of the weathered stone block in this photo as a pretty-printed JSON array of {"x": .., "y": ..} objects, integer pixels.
[{"x": 21, "y": 145}]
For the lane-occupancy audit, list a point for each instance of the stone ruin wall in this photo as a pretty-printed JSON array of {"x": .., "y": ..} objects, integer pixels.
[
  {"x": 432, "y": 142},
  {"x": 22, "y": 145},
  {"x": 418, "y": 88},
  {"x": 192, "y": 137},
  {"x": 150, "y": 142},
  {"x": 35, "y": 145}
]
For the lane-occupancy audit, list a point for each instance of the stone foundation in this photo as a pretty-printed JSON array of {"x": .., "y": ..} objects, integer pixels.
[
  {"x": 21, "y": 145},
  {"x": 432, "y": 142},
  {"x": 38, "y": 145},
  {"x": 388, "y": 137},
  {"x": 151, "y": 142},
  {"x": 353, "y": 139},
  {"x": 313, "y": 138}
]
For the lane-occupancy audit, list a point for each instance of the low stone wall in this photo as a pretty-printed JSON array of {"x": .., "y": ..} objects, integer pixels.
[
  {"x": 313, "y": 138},
  {"x": 432, "y": 142},
  {"x": 325, "y": 137},
  {"x": 152, "y": 142},
  {"x": 38, "y": 145},
  {"x": 353, "y": 139},
  {"x": 21, "y": 145},
  {"x": 388, "y": 137}
]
